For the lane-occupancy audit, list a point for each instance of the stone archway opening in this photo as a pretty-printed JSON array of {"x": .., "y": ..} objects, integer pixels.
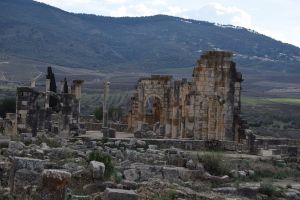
[{"x": 153, "y": 108}]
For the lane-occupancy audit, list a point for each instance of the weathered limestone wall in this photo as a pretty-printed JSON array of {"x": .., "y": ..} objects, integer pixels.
[
  {"x": 216, "y": 97},
  {"x": 27, "y": 109},
  {"x": 48, "y": 111},
  {"x": 156, "y": 89},
  {"x": 207, "y": 108}
]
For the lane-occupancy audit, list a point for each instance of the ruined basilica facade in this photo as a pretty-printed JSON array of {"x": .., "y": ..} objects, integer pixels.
[
  {"x": 50, "y": 111},
  {"x": 207, "y": 108}
]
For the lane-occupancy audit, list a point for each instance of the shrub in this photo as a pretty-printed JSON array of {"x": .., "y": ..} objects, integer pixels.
[
  {"x": 104, "y": 158},
  {"x": 7, "y": 106},
  {"x": 104, "y": 140},
  {"x": 213, "y": 163},
  {"x": 268, "y": 188},
  {"x": 117, "y": 176},
  {"x": 169, "y": 195},
  {"x": 266, "y": 170}
]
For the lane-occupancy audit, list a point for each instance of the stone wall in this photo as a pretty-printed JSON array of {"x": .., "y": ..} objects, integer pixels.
[
  {"x": 284, "y": 147},
  {"x": 208, "y": 108},
  {"x": 48, "y": 111},
  {"x": 191, "y": 144},
  {"x": 89, "y": 126}
]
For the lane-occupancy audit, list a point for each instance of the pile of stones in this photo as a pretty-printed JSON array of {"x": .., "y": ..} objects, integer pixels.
[{"x": 55, "y": 168}]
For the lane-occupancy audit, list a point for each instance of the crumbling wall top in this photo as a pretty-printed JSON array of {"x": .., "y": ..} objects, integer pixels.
[
  {"x": 217, "y": 54},
  {"x": 78, "y": 82},
  {"x": 27, "y": 89},
  {"x": 157, "y": 78},
  {"x": 215, "y": 58}
]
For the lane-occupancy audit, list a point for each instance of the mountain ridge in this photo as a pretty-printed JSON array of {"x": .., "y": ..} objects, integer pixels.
[{"x": 45, "y": 33}]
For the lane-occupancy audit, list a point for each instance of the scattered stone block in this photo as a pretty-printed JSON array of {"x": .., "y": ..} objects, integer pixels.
[
  {"x": 4, "y": 143},
  {"x": 54, "y": 184},
  {"x": 26, "y": 137},
  {"x": 131, "y": 174},
  {"x": 152, "y": 147},
  {"x": 118, "y": 194},
  {"x": 24, "y": 172},
  {"x": 79, "y": 197},
  {"x": 14, "y": 145},
  {"x": 109, "y": 132},
  {"x": 97, "y": 169},
  {"x": 226, "y": 190}
]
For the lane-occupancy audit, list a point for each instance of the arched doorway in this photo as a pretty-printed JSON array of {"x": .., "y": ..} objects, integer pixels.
[{"x": 153, "y": 109}]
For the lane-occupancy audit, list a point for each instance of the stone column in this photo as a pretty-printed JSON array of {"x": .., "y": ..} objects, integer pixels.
[
  {"x": 77, "y": 91},
  {"x": 33, "y": 83},
  {"x": 61, "y": 89},
  {"x": 47, "y": 99},
  {"x": 105, "y": 109}
]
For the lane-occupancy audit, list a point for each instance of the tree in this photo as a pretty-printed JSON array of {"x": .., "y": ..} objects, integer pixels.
[
  {"x": 99, "y": 113},
  {"x": 7, "y": 106},
  {"x": 51, "y": 77},
  {"x": 114, "y": 114}
]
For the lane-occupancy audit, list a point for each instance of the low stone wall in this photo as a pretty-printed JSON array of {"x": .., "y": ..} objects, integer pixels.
[
  {"x": 191, "y": 144},
  {"x": 89, "y": 126},
  {"x": 120, "y": 127},
  {"x": 274, "y": 142},
  {"x": 279, "y": 146},
  {"x": 92, "y": 126}
]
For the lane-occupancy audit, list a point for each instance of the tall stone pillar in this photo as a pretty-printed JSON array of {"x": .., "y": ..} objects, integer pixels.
[
  {"x": 77, "y": 84},
  {"x": 47, "y": 99},
  {"x": 77, "y": 88},
  {"x": 33, "y": 83},
  {"x": 105, "y": 106},
  {"x": 61, "y": 89}
]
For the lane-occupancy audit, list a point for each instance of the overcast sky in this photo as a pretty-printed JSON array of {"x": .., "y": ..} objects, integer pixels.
[{"x": 279, "y": 19}]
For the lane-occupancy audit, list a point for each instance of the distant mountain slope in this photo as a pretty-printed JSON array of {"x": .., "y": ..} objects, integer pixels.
[{"x": 40, "y": 32}]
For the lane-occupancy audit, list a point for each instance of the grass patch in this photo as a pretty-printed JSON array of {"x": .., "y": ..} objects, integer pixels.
[
  {"x": 169, "y": 195},
  {"x": 117, "y": 176},
  {"x": 269, "y": 189},
  {"x": 254, "y": 101},
  {"x": 214, "y": 163},
  {"x": 292, "y": 101}
]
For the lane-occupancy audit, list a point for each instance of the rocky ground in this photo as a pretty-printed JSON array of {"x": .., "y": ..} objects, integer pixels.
[{"x": 87, "y": 168}]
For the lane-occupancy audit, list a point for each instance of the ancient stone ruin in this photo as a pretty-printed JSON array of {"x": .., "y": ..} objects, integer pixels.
[
  {"x": 206, "y": 108},
  {"x": 49, "y": 111},
  {"x": 191, "y": 144}
]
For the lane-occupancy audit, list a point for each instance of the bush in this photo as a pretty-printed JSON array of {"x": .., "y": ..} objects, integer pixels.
[
  {"x": 7, "y": 106},
  {"x": 104, "y": 158},
  {"x": 169, "y": 195},
  {"x": 117, "y": 176},
  {"x": 104, "y": 140},
  {"x": 266, "y": 170},
  {"x": 114, "y": 114},
  {"x": 268, "y": 188},
  {"x": 213, "y": 163}
]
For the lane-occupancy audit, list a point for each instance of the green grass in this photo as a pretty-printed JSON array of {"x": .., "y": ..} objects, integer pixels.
[
  {"x": 214, "y": 163},
  {"x": 293, "y": 101},
  {"x": 255, "y": 101},
  {"x": 269, "y": 189},
  {"x": 169, "y": 195}
]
